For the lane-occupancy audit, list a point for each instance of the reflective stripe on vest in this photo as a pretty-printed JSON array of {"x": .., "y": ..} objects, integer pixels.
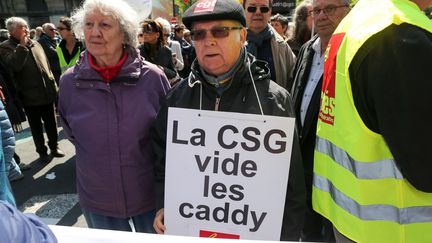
[
  {"x": 371, "y": 170},
  {"x": 377, "y": 211}
]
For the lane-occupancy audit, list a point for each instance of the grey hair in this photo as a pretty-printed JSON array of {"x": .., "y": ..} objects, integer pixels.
[
  {"x": 165, "y": 24},
  {"x": 117, "y": 9},
  {"x": 14, "y": 22},
  {"x": 47, "y": 25},
  {"x": 300, "y": 32}
]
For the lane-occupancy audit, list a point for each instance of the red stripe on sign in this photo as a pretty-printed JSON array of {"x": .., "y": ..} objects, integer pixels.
[{"x": 212, "y": 234}]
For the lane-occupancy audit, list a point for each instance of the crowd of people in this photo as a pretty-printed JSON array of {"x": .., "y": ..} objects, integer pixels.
[{"x": 355, "y": 78}]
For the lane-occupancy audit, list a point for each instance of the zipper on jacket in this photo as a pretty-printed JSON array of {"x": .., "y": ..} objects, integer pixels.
[{"x": 217, "y": 103}]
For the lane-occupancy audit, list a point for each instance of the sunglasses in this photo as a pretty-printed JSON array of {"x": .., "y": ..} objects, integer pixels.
[
  {"x": 61, "y": 28},
  {"x": 253, "y": 9},
  {"x": 217, "y": 32}
]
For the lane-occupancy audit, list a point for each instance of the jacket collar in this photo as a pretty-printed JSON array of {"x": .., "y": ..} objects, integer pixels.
[
  {"x": 130, "y": 71},
  {"x": 258, "y": 69},
  {"x": 16, "y": 41}
]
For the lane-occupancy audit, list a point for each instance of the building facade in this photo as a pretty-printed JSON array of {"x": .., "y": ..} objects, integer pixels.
[{"x": 36, "y": 12}]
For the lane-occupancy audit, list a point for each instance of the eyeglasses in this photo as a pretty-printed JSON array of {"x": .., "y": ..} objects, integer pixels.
[
  {"x": 52, "y": 29},
  {"x": 217, "y": 32},
  {"x": 253, "y": 9},
  {"x": 61, "y": 28},
  {"x": 329, "y": 10}
]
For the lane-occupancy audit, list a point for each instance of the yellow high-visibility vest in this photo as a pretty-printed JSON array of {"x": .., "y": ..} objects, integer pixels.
[
  {"x": 357, "y": 185},
  {"x": 63, "y": 64}
]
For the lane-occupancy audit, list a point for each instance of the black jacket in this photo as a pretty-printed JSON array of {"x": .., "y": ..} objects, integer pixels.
[
  {"x": 12, "y": 103},
  {"x": 163, "y": 58},
  {"x": 49, "y": 45},
  {"x": 391, "y": 85},
  {"x": 316, "y": 227},
  {"x": 307, "y": 132},
  {"x": 239, "y": 97}
]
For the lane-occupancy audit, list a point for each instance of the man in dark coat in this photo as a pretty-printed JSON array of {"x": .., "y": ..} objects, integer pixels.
[
  {"x": 35, "y": 84},
  {"x": 49, "y": 44},
  {"x": 306, "y": 91},
  {"x": 225, "y": 77}
]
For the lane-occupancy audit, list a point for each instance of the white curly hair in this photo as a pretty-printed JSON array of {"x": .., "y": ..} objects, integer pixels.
[{"x": 117, "y": 9}]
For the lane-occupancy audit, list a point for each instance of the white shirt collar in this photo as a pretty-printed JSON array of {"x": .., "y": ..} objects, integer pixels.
[{"x": 316, "y": 46}]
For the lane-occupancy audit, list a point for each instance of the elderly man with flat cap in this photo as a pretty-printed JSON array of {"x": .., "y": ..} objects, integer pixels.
[{"x": 225, "y": 77}]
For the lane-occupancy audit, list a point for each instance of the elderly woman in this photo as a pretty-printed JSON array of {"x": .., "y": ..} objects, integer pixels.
[
  {"x": 69, "y": 49},
  {"x": 155, "y": 50},
  {"x": 107, "y": 103}
]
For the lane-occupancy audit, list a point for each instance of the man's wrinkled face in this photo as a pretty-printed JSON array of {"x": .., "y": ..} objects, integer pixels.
[
  {"x": 51, "y": 31},
  {"x": 19, "y": 31},
  {"x": 258, "y": 13},
  {"x": 218, "y": 50},
  {"x": 327, "y": 14}
]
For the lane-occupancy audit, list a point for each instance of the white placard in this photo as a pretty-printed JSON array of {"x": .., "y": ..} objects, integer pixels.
[{"x": 226, "y": 174}]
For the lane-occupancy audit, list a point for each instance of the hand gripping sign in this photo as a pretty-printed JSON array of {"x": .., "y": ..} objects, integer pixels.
[{"x": 226, "y": 174}]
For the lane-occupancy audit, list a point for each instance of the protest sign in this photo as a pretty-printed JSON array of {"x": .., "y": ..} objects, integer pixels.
[{"x": 226, "y": 174}]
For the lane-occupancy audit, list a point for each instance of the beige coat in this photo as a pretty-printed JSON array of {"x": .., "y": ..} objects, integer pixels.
[{"x": 283, "y": 59}]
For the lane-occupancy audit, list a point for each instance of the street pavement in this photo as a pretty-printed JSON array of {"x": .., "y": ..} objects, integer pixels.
[{"x": 48, "y": 189}]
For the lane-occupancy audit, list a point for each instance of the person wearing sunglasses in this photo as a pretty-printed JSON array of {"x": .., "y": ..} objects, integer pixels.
[
  {"x": 225, "y": 77},
  {"x": 49, "y": 44},
  {"x": 265, "y": 43},
  {"x": 306, "y": 93},
  {"x": 155, "y": 50},
  {"x": 69, "y": 48}
]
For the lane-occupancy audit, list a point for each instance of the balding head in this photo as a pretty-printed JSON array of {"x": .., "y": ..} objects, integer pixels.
[{"x": 49, "y": 29}]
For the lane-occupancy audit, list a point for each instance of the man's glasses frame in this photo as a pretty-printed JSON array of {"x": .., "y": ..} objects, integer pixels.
[
  {"x": 328, "y": 10},
  {"x": 217, "y": 32},
  {"x": 253, "y": 9}
]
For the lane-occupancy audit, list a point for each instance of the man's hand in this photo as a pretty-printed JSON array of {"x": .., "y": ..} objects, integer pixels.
[
  {"x": 158, "y": 224},
  {"x": 24, "y": 38}
]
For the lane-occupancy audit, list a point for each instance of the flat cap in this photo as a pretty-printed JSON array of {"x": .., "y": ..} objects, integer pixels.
[{"x": 214, "y": 10}]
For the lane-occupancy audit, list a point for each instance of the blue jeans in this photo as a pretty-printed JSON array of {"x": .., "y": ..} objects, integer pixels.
[{"x": 143, "y": 223}]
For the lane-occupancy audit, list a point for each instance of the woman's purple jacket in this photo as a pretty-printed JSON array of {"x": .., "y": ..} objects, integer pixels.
[{"x": 109, "y": 125}]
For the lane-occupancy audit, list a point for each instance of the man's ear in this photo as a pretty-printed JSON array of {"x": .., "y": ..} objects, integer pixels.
[{"x": 243, "y": 35}]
